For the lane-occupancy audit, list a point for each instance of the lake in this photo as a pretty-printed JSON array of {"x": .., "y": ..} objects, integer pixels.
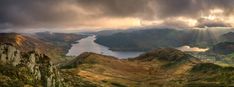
[{"x": 88, "y": 45}]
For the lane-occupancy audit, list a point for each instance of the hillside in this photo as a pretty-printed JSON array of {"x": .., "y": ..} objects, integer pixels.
[
  {"x": 55, "y": 45},
  {"x": 22, "y": 42},
  {"x": 61, "y": 40},
  {"x": 26, "y": 69},
  {"x": 158, "y": 38},
  {"x": 223, "y": 48},
  {"x": 162, "y": 67},
  {"x": 33, "y": 69},
  {"x": 27, "y": 43},
  {"x": 228, "y": 37}
]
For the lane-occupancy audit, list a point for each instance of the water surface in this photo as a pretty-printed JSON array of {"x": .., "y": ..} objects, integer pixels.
[{"x": 88, "y": 45}]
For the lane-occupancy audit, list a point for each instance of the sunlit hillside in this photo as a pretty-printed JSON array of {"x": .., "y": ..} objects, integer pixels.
[{"x": 116, "y": 43}]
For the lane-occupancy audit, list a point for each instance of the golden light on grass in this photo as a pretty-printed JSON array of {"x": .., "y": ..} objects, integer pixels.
[{"x": 19, "y": 39}]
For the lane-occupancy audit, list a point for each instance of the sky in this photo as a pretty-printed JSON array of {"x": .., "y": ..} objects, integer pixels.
[{"x": 75, "y": 15}]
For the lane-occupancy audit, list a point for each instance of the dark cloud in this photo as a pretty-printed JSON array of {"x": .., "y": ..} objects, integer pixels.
[
  {"x": 27, "y": 12},
  {"x": 169, "y": 8},
  {"x": 119, "y": 8},
  {"x": 41, "y": 13},
  {"x": 212, "y": 24},
  {"x": 191, "y": 8}
]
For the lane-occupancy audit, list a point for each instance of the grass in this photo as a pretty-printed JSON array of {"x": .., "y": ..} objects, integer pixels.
[{"x": 109, "y": 71}]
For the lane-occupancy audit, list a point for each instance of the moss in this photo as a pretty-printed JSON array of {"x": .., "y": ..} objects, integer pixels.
[{"x": 15, "y": 76}]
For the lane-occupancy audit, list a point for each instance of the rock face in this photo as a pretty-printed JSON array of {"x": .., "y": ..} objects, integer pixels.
[
  {"x": 27, "y": 69},
  {"x": 9, "y": 54}
]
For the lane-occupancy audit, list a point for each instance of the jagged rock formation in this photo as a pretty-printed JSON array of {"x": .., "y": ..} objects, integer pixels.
[{"x": 20, "y": 69}]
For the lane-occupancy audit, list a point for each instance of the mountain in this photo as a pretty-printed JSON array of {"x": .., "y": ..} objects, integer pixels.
[
  {"x": 22, "y": 42},
  {"x": 62, "y": 40},
  {"x": 107, "y": 32},
  {"x": 145, "y": 40},
  {"x": 26, "y": 69},
  {"x": 111, "y": 32},
  {"x": 161, "y": 67},
  {"x": 228, "y": 37},
  {"x": 27, "y": 43},
  {"x": 55, "y": 45},
  {"x": 168, "y": 54},
  {"x": 33, "y": 69},
  {"x": 223, "y": 48}
]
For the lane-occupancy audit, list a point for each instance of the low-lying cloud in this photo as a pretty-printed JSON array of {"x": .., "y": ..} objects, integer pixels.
[{"x": 192, "y": 49}]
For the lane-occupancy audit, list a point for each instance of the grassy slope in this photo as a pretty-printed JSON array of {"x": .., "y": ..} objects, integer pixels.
[
  {"x": 62, "y": 40},
  {"x": 28, "y": 43},
  {"x": 174, "y": 71},
  {"x": 54, "y": 45}
]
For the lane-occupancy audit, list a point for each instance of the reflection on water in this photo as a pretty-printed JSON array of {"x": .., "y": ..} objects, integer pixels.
[{"x": 88, "y": 45}]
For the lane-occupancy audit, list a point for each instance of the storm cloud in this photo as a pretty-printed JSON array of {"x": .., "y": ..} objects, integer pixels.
[{"x": 21, "y": 14}]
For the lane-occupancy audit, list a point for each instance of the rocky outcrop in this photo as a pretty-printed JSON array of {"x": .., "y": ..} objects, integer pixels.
[
  {"x": 9, "y": 54},
  {"x": 32, "y": 68}
]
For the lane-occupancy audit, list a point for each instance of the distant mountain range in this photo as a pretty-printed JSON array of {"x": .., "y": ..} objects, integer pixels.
[
  {"x": 229, "y": 37},
  {"x": 226, "y": 46},
  {"x": 61, "y": 40},
  {"x": 223, "y": 48},
  {"x": 159, "y": 38}
]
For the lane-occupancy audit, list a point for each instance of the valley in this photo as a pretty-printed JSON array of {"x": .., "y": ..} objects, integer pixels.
[
  {"x": 162, "y": 67},
  {"x": 76, "y": 60},
  {"x": 88, "y": 45},
  {"x": 116, "y": 43}
]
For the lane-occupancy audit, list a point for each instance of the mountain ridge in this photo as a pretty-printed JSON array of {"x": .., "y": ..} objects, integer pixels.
[
  {"x": 149, "y": 39},
  {"x": 150, "y": 69},
  {"x": 27, "y": 43}
]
